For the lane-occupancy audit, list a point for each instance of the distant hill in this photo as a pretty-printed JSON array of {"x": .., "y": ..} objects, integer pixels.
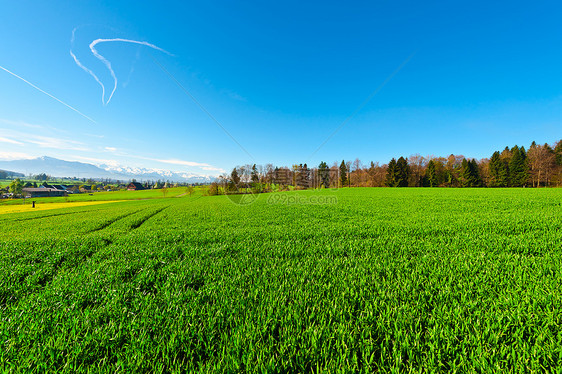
[
  {"x": 10, "y": 174},
  {"x": 61, "y": 168}
]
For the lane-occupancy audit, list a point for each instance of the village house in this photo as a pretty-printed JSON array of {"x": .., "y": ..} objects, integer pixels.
[
  {"x": 135, "y": 186},
  {"x": 44, "y": 192}
]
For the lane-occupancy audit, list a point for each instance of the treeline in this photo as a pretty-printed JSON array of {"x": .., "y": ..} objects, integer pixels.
[
  {"x": 539, "y": 166},
  {"x": 6, "y": 174}
]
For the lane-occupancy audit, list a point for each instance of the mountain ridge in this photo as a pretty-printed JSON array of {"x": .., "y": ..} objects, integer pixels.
[{"x": 69, "y": 169}]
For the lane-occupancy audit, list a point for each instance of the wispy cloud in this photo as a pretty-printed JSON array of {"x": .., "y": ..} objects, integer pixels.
[
  {"x": 234, "y": 95},
  {"x": 57, "y": 143},
  {"x": 212, "y": 168},
  {"x": 114, "y": 163},
  {"x": 48, "y": 94},
  {"x": 98, "y": 161},
  {"x": 9, "y": 156},
  {"x": 34, "y": 126},
  {"x": 181, "y": 162},
  {"x": 137, "y": 57},
  {"x": 174, "y": 161},
  {"x": 106, "y": 62},
  {"x": 20, "y": 123},
  {"x": 25, "y": 138},
  {"x": 95, "y": 136},
  {"x": 111, "y": 149},
  {"x": 10, "y": 141}
]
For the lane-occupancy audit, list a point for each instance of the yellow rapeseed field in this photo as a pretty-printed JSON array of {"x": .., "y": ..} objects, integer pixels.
[{"x": 27, "y": 207}]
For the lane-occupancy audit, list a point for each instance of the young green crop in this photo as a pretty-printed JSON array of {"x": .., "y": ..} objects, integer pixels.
[{"x": 377, "y": 279}]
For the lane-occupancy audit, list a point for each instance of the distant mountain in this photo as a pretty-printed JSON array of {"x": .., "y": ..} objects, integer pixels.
[
  {"x": 61, "y": 168},
  {"x": 10, "y": 174}
]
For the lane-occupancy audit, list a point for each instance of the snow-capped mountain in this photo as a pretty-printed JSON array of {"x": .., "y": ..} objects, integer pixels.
[{"x": 61, "y": 168}]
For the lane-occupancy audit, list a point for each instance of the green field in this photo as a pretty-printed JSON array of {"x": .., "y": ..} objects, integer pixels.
[
  {"x": 448, "y": 280},
  {"x": 112, "y": 195}
]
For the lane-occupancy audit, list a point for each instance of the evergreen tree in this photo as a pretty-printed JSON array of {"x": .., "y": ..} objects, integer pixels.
[
  {"x": 465, "y": 177},
  {"x": 391, "y": 174},
  {"x": 371, "y": 172},
  {"x": 518, "y": 167},
  {"x": 324, "y": 174},
  {"x": 254, "y": 175},
  {"x": 343, "y": 173},
  {"x": 475, "y": 174},
  {"x": 305, "y": 176},
  {"x": 234, "y": 177},
  {"x": 402, "y": 172},
  {"x": 469, "y": 174},
  {"x": 494, "y": 170},
  {"x": 558, "y": 153},
  {"x": 430, "y": 174}
]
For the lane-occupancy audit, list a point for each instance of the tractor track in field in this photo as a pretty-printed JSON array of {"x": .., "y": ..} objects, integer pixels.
[
  {"x": 78, "y": 257},
  {"x": 139, "y": 223},
  {"x": 39, "y": 217},
  {"x": 112, "y": 221}
]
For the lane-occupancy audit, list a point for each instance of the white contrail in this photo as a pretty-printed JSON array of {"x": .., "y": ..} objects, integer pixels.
[
  {"x": 106, "y": 61},
  {"x": 91, "y": 73},
  {"x": 48, "y": 94}
]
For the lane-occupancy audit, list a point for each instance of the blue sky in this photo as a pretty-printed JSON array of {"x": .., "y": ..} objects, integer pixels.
[{"x": 465, "y": 78}]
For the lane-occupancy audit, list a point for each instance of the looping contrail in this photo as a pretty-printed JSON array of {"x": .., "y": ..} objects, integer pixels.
[
  {"x": 107, "y": 63},
  {"x": 46, "y": 93},
  {"x": 91, "y": 73}
]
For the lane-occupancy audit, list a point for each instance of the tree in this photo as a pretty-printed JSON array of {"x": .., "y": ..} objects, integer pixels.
[
  {"x": 234, "y": 181},
  {"x": 464, "y": 175},
  {"x": 542, "y": 161},
  {"x": 476, "y": 179},
  {"x": 416, "y": 163},
  {"x": 41, "y": 177},
  {"x": 234, "y": 177},
  {"x": 391, "y": 174},
  {"x": 469, "y": 175},
  {"x": 558, "y": 153},
  {"x": 452, "y": 169},
  {"x": 16, "y": 187},
  {"x": 499, "y": 176},
  {"x": 402, "y": 173},
  {"x": 304, "y": 176},
  {"x": 430, "y": 174},
  {"x": 343, "y": 173},
  {"x": 254, "y": 175},
  {"x": 324, "y": 174},
  {"x": 518, "y": 167},
  {"x": 348, "y": 168},
  {"x": 357, "y": 172},
  {"x": 213, "y": 189}
]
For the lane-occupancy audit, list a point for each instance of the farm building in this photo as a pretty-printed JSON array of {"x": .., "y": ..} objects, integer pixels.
[
  {"x": 135, "y": 186},
  {"x": 44, "y": 192},
  {"x": 57, "y": 187}
]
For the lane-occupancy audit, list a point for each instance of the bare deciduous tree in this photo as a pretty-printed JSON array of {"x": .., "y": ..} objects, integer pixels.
[{"x": 542, "y": 162}]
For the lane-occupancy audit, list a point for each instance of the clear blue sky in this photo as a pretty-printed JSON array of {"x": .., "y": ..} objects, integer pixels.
[{"x": 280, "y": 77}]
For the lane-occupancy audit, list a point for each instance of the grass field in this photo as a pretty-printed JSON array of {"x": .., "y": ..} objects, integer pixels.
[{"x": 353, "y": 280}]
